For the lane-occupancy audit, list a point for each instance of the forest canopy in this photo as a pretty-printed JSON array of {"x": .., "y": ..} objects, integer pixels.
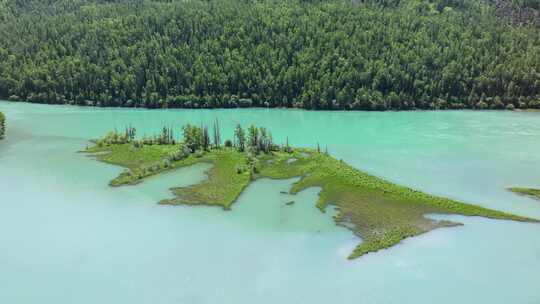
[{"x": 362, "y": 55}]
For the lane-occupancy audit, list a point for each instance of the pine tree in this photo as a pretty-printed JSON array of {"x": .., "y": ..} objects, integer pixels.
[
  {"x": 217, "y": 134},
  {"x": 240, "y": 138},
  {"x": 253, "y": 138},
  {"x": 205, "y": 138},
  {"x": 193, "y": 137},
  {"x": 287, "y": 148}
]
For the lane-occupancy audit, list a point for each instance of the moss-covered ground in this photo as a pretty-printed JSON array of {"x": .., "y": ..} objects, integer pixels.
[
  {"x": 380, "y": 212},
  {"x": 534, "y": 193}
]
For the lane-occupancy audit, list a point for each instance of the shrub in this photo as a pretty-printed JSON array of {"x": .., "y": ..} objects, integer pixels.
[
  {"x": 182, "y": 153},
  {"x": 199, "y": 153},
  {"x": 535, "y": 104},
  {"x": 481, "y": 105},
  {"x": 2, "y": 125}
]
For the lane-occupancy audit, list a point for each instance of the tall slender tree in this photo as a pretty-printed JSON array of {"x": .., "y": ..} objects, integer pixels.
[
  {"x": 240, "y": 138},
  {"x": 217, "y": 134},
  {"x": 253, "y": 137},
  {"x": 205, "y": 138}
]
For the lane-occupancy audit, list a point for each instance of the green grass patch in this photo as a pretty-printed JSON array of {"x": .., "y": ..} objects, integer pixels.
[
  {"x": 226, "y": 181},
  {"x": 534, "y": 193},
  {"x": 139, "y": 162}
]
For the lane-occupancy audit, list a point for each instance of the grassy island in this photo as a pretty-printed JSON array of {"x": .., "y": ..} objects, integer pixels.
[
  {"x": 534, "y": 193},
  {"x": 380, "y": 212}
]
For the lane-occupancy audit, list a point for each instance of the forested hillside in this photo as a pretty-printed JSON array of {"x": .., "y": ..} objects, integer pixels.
[{"x": 369, "y": 55}]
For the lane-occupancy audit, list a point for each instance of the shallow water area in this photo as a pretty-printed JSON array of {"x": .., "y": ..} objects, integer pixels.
[
  {"x": 158, "y": 187},
  {"x": 67, "y": 237}
]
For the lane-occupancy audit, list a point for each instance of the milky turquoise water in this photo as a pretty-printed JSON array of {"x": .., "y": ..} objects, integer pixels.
[{"x": 66, "y": 237}]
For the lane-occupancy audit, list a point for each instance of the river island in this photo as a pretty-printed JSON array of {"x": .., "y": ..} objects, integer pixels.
[
  {"x": 381, "y": 213},
  {"x": 530, "y": 192}
]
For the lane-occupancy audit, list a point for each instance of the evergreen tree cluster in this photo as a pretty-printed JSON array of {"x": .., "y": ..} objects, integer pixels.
[
  {"x": 257, "y": 139},
  {"x": 352, "y": 55},
  {"x": 165, "y": 137}
]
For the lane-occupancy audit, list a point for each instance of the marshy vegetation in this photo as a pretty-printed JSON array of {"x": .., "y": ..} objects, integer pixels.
[
  {"x": 531, "y": 192},
  {"x": 380, "y": 212}
]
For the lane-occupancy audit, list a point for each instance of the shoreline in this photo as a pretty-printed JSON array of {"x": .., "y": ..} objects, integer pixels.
[{"x": 272, "y": 108}]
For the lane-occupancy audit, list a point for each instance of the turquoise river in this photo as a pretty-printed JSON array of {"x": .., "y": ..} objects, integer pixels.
[{"x": 67, "y": 237}]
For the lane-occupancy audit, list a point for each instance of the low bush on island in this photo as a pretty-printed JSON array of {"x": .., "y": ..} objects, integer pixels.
[{"x": 2, "y": 125}]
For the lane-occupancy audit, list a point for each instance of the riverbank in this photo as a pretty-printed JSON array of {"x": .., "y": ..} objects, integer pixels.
[
  {"x": 533, "y": 106},
  {"x": 380, "y": 212}
]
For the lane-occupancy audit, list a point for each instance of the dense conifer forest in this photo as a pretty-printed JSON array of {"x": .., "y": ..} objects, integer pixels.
[{"x": 361, "y": 55}]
